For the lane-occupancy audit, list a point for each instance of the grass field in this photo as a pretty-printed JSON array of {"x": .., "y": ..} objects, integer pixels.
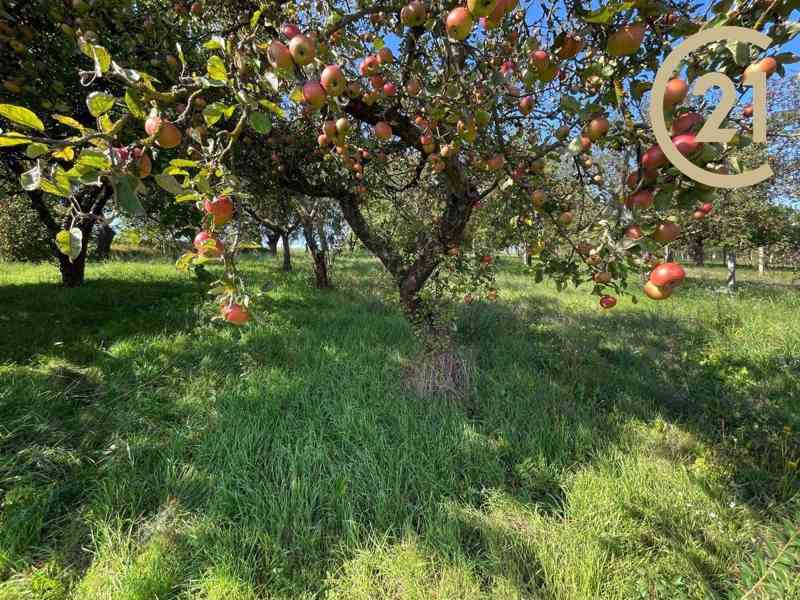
[{"x": 145, "y": 453}]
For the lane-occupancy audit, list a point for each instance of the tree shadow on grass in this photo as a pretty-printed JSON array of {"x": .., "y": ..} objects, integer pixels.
[{"x": 43, "y": 318}]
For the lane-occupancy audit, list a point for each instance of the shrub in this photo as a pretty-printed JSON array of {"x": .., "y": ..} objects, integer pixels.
[{"x": 23, "y": 237}]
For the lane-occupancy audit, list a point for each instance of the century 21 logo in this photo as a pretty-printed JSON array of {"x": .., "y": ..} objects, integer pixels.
[{"x": 712, "y": 130}]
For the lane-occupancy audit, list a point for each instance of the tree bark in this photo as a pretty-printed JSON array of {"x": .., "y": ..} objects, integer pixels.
[
  {"x": 762, "y": 260},
  {"x": 669, "y": 254},
  {"x": 730, "y": 262},
  {"x": 527, "y": 259},
  {"x": 105, "y": 237},
  {"x": 323, "y": 239},
  {"x": 287, "y": 254},
  {"x": 318, "y": 256},
  {"x": 697, "y": 251}
]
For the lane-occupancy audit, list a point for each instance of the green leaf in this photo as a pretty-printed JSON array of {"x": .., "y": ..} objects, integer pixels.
[
  {"x": 69, "y": 122},
  {"x": 69, "y": 242},
  {"x": 740, "y": 52},
  {"x": 297, "y": 95},
  {"x": 182, "y": 162},
  {"x": 102, "y": 59},
  {"x": 31, "y": 180},
  {"x": 605, "y": 14},
  {"x": 94, "y": 159},
  {"x": 378, "y": 43},
  {"x": 216, "y": 69},
  {"x": 260, "y": 122},
  {"x": 57, "y": 188},
  {"x": 214, "y": 112},
  {"x": 125, "y": 195},
  {"x": 169, "y": 184},
  {"x": 21, "y": 116},
  {"x": 255, "y": 18},
  {"x": 190, "y": 197},
  {"x": 215, "y": 43},
  {"x": 99, "y": 103},
  {"x": 273, "y": 108},
  {"x": 13, "y": 138},
  {"x": 569, "y": 104},
  {"x": 35, "y": 150},
  {"x": 135, "y": 103}
]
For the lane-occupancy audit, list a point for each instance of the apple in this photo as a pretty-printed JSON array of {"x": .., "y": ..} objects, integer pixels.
[
  {"x": 314, "y": 93},
  {"x": 607, "y": 302},
  {"x": 644, "y": 176},
  {"x": 290, "y": 31},
  {"x": 332, "y": 80},
  {"x": 343, "y": 127},
  {"x": 481, "y": 8},
  {"x": 686, "y": 143},
  {"x": 220, "y": 209},
  {"x": 526, "y": 105},
  {"x": 766, "y": 65},
  {"x": 413, "y": 14},
  {"x": 144, "y": 165},
  {"x": 413, "y": 87},
  {"x": 654, "y": 158},
  {"x": 562, "y": 132},
  {"x": 202, "y": 242},
  {"x": 657, "y": 292},
  {"x": 747, "y": 111},
  {"x": 675, "y": 92},
  {"x": 383, "y": 131},
  {"x": 641, "y": 199},
  {"x": 279, "y": 56},
  {"x": 329, "y": 129},
  {"x": 686, "y": 123},
  {"x": 235, "y": 314},
  {"x": 565, "y": 218},
  {"x": 634, "y": 232},
  {"x": 602, "y": 277},
  {"x": 706, "y": 207},
  {"x": 459, "y": 23},
  {"x": 698, "y": 215},
  {"x": 496, "y": 162},
  {"x": 167, "y": 134},
  {"x": 667, "y": 274},
  {"x": 666, "y": 232},
  {"x": 586, "y": 143},
  {"x": 539, "y": 58},
  {"x": 389, "y": 89},
  {"x": 627, "y": 40},
  {"x": 196, "y": 8},
  {"x": 302, "y": 49},
  {"x": 597, "y": 128},
  {"x": 323, "y": 140}
]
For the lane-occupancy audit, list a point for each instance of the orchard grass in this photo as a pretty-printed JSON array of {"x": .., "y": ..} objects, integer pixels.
[{"x": 650, "y": 451}]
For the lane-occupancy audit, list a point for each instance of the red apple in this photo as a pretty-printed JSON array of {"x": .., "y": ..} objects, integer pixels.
[
  {"x": 314, "y": 93},
  {"x": 383, "y": 131},
  {"x": 302, "y": 49},
  {"x": 279, "y": 56},
  {"x": 686, "y": 143},
  {"x": 203, "y": 243},
  {"x": 413, "y": 14},
  {"x": 220, "y": 209},
  {"x": 686, "y": 123},
  {"x": 656, "y": 292},
  {"x": 626, "y": 40},
  {"x": 654, "y": 158},
  {"x": 641, "y": 199},
  {"x": 290, "y": 31},
  {"x": 235, "y": 314},
  {"x": 459, "y": 23},
  {"x": 676, "y": 92},
  {"x": 667, "y": 274},
  {"x": 666, "y": 232},
  {"x": 332, "y": 80},
  {"x": 597, "y": 128},
  {"x": 607, "y": 302}
]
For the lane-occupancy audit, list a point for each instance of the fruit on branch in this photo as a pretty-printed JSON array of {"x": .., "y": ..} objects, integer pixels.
[
  {"x": 645, "y": 176},
  {"x": 459, "y": 23},
  {"x": 413, "y": 14},
  {"x": 385, "y": 56},
  {"x": 526, "y": 105},
  {"x": 698, "y": 215},
  {"x": 562, "y": 132},
  {"x": 641, "y": 199},
  {"x": 383, "y": 131},
  {"x": 601, "y": 277},
  {"x": 220, "y": 209},
  {"x": 597, "y": 128},
  {"x": 666, "y": 232},
  {"x": 687, "y": 143},
  {"x": 302, "y": 49},
  {"x": 686, "y": 123},
  {"x": 279, "y": 56},
  {"x": 747, "y": 111},
  {"x": 144, "y": 166},
  {"x": 167, "y": 134},
  {"x": 570, "y": 47},
  {"x": 675, "y": 93},
  {"x": 634, "y": 232},
  {"x": 667, "y": 274},
  {"x": 343, "y": 126},
  {"x": 654, "y": 158},
  {"x": 657, "y": 292},
  {"x": 539, "y": 58},
  {"x": 481, "y": 8},
  {"x": 235, "y": 314},
  {"x": 565, "y": 218},
  {"x": 627, "y": 40},
  {"x": 208, "y": 245},
  {"x": 290, "y": 31},
  {"x": 314, "y": 94},
  {"x": 607, "y": 302},
  {"x": 413, "y": 87},
  {"x": 585, "y": 142},
  {"x": 389, "y": 89},
  {"x": 332, "y": 80},
  {"x": 767, "y": 65},
  {"x": 706, "y": 207},
  {"x": 496, "y": 162}
]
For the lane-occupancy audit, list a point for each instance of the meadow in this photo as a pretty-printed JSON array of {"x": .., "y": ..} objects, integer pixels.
[{"x": 646, "y": 452}]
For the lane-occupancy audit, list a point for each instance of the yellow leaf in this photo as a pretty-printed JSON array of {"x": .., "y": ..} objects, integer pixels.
[{"x": 67, "y": 154}]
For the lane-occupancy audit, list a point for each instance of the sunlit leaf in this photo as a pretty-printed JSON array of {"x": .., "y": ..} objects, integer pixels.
[
  {"x": 216, "y": 69},
  {"x": 69, "y": 242},
  {"x": 272, "y": 107},
  {"x": 260, "y": 122},
  {"x": 21, "y": 116},
  {"x": 31, "y": 180},
  {"x": 67, "y": 154},
  {"x": 99, "y": 103},
  {"x": 190, "y": 197},
  {"x": 13, "y": 139},
  {"x": 135, "y": 103},
  {"x": 215, "y": 111},
  {"x": 94, "y": 159},
  {"x": 169, "y": 184},
  {"x": 36, "y": 150},
  {"x": 69, "y": 122}
]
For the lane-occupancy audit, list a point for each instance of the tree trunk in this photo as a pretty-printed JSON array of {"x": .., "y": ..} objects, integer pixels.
[
  {"x": 762, "y": 260},
  {"x": 730, "y": 262},
  {"x": 73, "y": 271},
  {"x": 526, "y": 256},
  {"x": 319, "y": 258},
  {"x": 669, "y": 254},
  {"x": 105, "y": 236},
  {"x": 287, "y": 254},
  {"x": 323, "y": 239},
  {"x": 697, "y": 252}
]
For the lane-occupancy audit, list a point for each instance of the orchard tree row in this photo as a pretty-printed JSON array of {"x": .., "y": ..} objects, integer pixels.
[{"x": 439, "y": 130}]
